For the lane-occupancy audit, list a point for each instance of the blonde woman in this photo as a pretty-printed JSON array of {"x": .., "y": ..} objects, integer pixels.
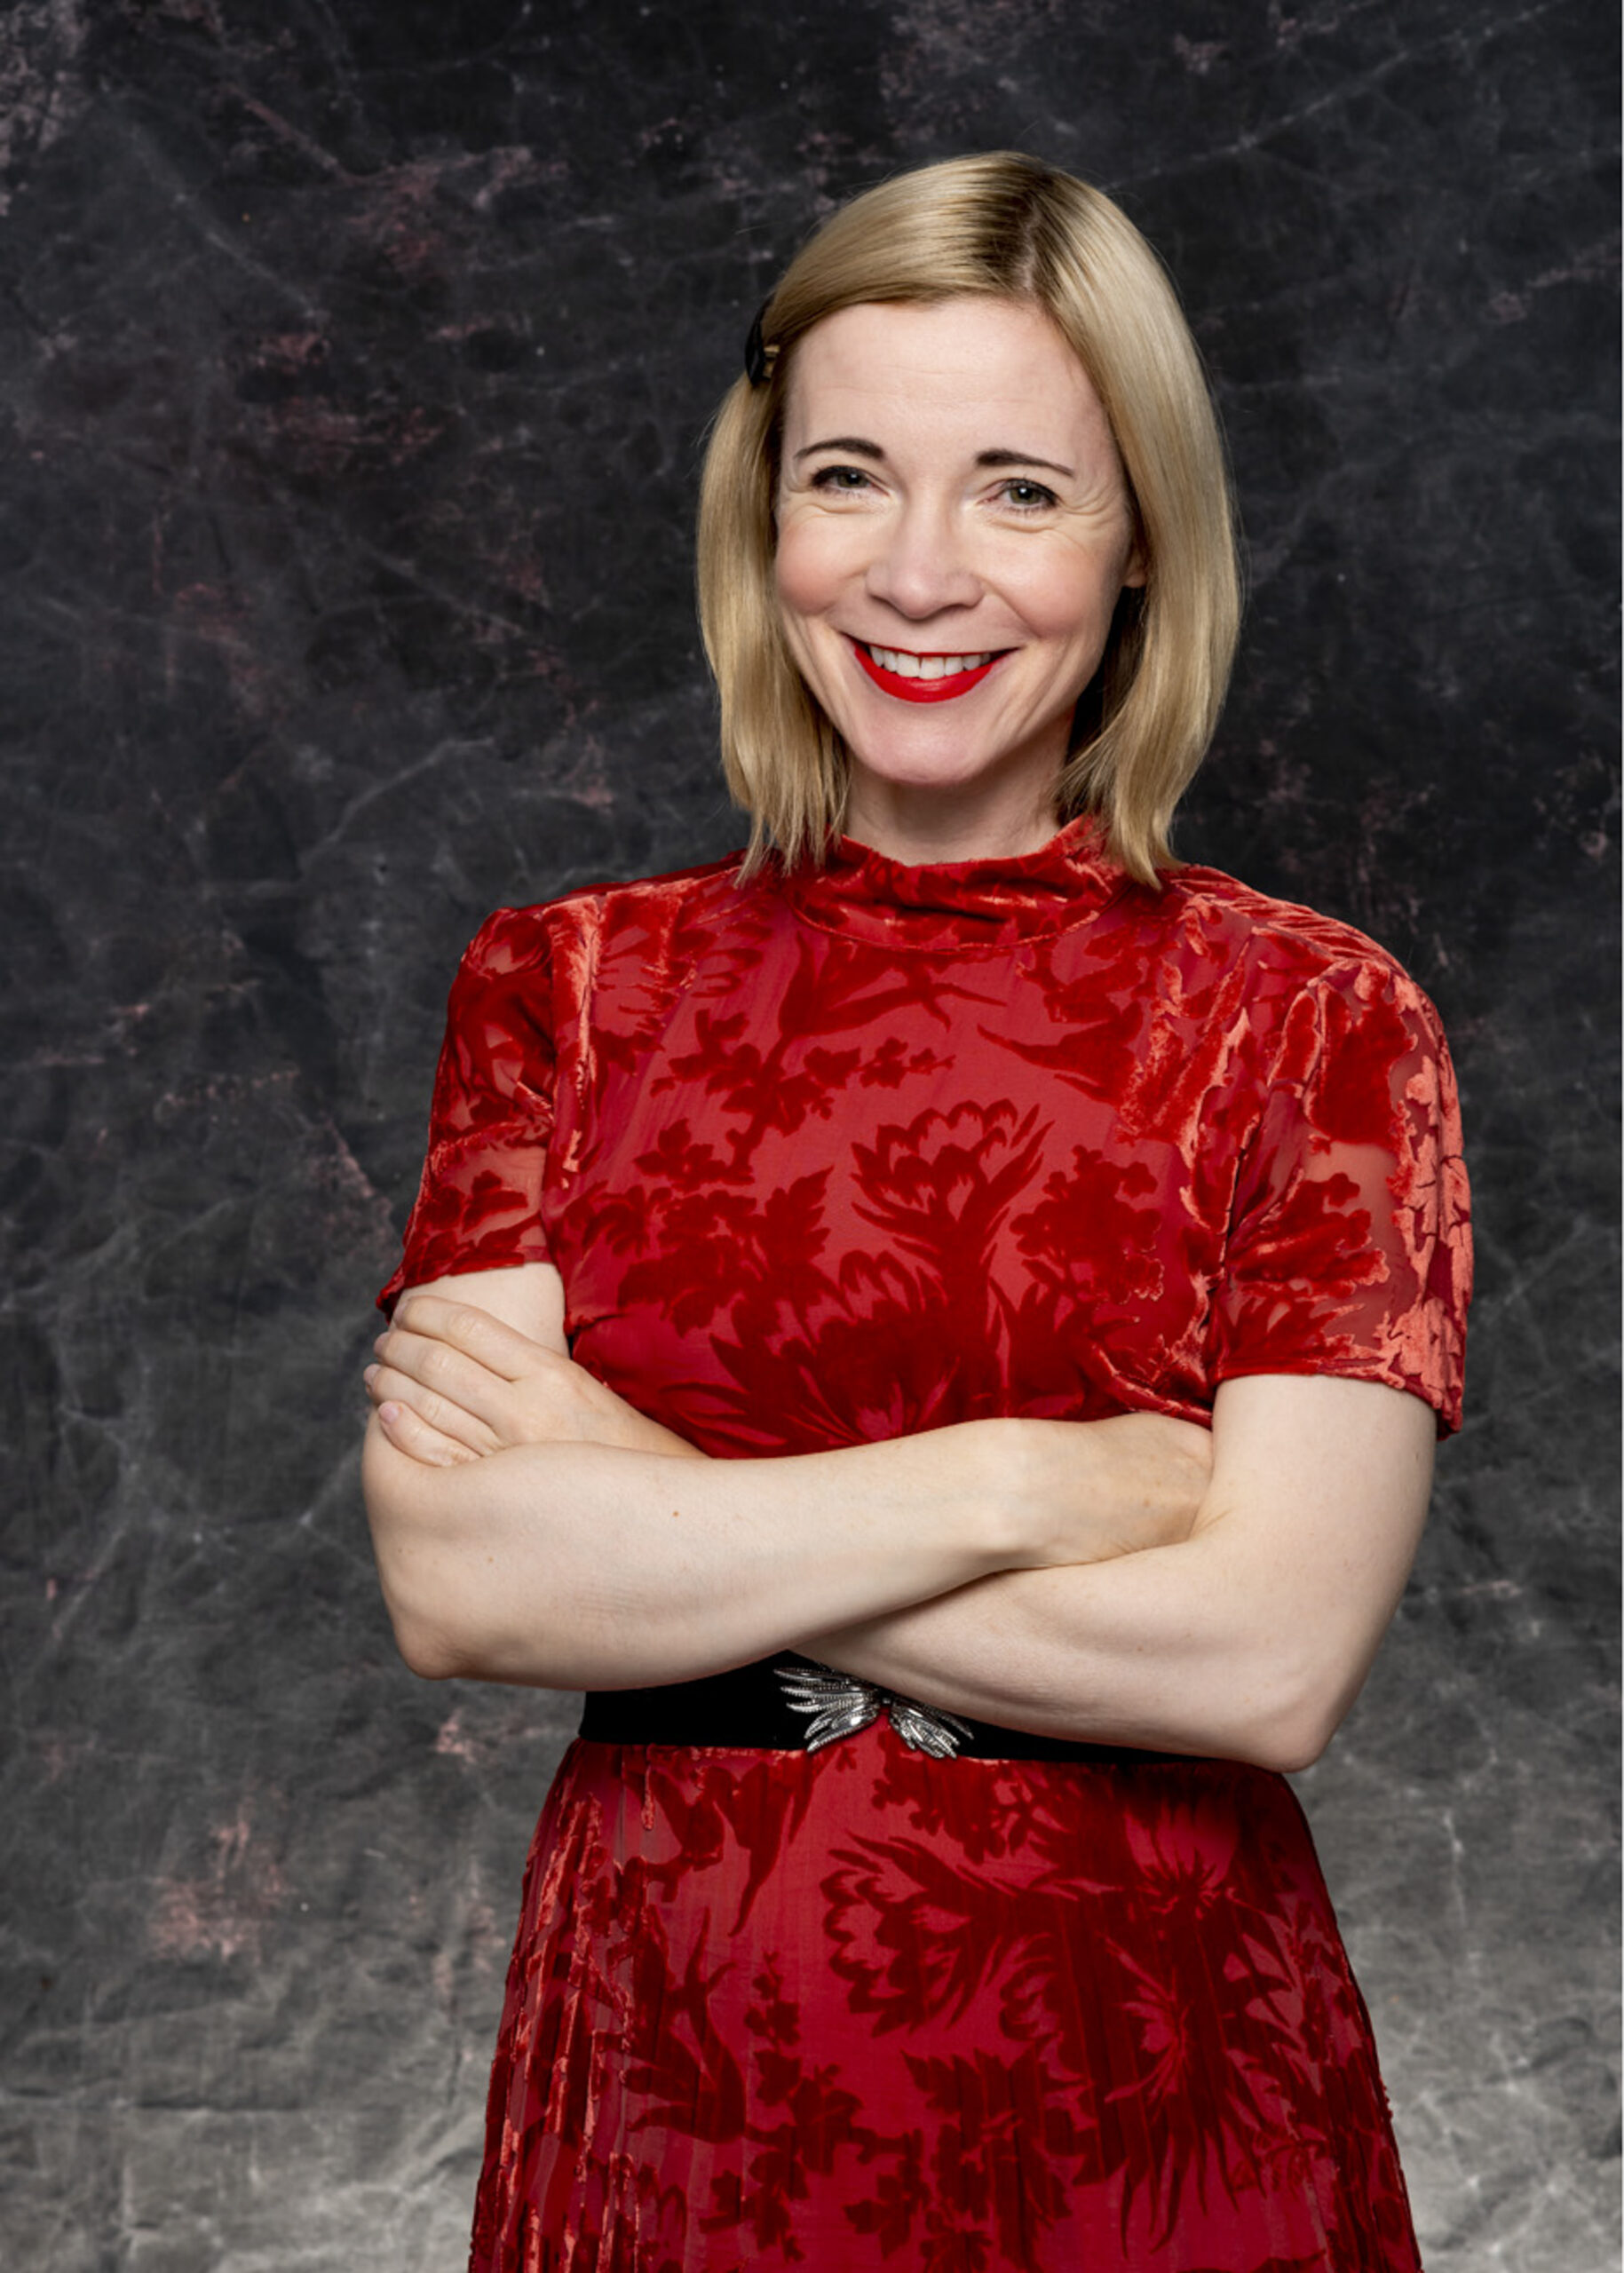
[{"x": 940, "y": 1328}]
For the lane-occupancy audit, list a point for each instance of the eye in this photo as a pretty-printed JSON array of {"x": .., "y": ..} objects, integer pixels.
[
  {"x": 841, "y": 481},
  {"x": 1026, "y": 496}
]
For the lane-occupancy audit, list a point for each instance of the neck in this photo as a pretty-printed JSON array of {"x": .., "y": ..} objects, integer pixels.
[{"x": 920, "y": 829}]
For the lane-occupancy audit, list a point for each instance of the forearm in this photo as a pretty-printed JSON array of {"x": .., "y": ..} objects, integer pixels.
[
  {"x": 570, "y": 1559},
  {"x": 571, "y": 1565},
  {"x": 1155, "y": 1650},
  {"x": 1249, "y": 1639}
]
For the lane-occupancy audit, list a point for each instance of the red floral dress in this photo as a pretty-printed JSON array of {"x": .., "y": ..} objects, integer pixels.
[{"x": 861, "y": 1152}]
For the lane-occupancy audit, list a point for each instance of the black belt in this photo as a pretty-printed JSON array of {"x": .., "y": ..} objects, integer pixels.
[{"x": 789, "y": 1704}]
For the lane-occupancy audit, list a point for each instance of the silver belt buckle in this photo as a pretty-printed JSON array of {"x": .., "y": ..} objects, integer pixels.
[{"x": 839, "y": 1705}]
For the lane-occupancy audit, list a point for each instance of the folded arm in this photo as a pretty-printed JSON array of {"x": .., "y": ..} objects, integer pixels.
[
  {"x": 531, "y": 1527},
  {"x": 1249, "y": 1639},
  {"x": 1095, "y": 1579}
]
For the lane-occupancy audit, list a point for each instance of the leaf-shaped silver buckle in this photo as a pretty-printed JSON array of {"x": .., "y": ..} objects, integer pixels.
[{"x": 839, "y": 1705}]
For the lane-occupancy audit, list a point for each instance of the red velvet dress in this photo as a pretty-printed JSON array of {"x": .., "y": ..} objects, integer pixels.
[{"x": 865, "y": 1152}]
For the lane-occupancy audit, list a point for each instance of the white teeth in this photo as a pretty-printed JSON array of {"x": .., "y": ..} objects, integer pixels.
[{"x": 906, "y": 666}]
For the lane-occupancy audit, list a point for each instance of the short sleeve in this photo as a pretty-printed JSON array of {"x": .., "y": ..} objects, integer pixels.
[
  {"x": 1350, "y": 1246},
  {"x": 478, "y": 1203}
]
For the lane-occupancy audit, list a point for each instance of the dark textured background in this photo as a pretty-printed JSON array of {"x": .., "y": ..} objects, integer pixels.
[{"x": 353, "y": 360}]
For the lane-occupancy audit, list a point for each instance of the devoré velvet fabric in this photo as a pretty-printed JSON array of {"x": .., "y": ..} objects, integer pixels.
[{"x": 857, "y": 1152}]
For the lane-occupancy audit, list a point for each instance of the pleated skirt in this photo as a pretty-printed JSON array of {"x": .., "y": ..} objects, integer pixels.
[{"x": 863, "y": 2009}]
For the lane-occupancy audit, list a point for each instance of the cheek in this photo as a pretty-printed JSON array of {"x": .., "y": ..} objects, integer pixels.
[
  {"x": 808, "y": 568},
  {"x": 1073, "y": 599}
]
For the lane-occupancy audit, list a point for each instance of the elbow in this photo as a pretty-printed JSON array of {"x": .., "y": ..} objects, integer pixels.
[
  {"x": 1284, "y": 1747},
  {"x": 426, "y": 1647},
  {"x": 1291, "y": 1711},
  {"x": 424, "y": 1634},
  {"x": 1296, "y": 1666},
  {"x": 416, "y": 1586}
]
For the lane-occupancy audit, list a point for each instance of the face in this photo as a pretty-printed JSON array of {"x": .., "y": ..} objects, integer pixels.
[{"x": 954, "y": 534}]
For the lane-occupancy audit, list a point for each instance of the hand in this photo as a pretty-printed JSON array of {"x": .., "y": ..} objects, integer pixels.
[
  {"x": 1103, "y": 1488},
  {"x": 453, "y": 1384}
]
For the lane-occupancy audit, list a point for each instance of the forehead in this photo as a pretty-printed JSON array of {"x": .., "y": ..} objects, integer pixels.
[{"x": 954, "y": 369}]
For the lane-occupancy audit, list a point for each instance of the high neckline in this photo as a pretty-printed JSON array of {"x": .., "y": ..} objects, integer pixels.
[{"x": 959, "y": 904}]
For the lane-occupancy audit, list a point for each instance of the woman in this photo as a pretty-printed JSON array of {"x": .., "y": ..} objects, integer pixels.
[{"x": 940, "y": 1331}]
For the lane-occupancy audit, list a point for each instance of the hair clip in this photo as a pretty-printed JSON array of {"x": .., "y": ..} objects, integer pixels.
[{"x": 759, "y": 357}]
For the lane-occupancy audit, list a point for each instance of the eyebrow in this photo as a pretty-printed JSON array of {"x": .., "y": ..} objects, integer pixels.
[
  {"x": 854, "y": 446},
  {"x": 1022, "y": 457},
  {"x": 851, "y": 443}
]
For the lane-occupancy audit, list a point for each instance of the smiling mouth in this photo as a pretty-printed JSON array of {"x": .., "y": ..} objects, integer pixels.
[{"x": 924, "y": 678}]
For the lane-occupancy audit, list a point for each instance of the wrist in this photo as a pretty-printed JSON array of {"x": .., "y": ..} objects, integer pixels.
[
  {"x": 1014, "y": 1493},
  {"x": 1053, "y": 1479}
]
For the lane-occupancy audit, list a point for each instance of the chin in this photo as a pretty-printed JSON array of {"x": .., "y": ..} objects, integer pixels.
[{"x": 953, "y": 772}]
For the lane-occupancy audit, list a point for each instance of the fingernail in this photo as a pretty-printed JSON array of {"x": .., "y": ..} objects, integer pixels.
[{"x": 370, "y": 1375}]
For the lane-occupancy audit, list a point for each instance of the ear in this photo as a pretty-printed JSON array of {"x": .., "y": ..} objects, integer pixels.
[{"x": 1135, "y": 576}]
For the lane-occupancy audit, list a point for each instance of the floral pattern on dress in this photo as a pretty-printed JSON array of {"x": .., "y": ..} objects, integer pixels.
[
  {"x": 847, "y": 1154},
  {"x": 1100, "y": 2018}
]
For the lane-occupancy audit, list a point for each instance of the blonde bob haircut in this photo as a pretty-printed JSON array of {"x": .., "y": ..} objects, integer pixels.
[{"x": 1012, "y": 228}]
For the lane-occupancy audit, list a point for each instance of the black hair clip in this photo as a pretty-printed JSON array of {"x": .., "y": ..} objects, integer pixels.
[{"x": 757, "y": 355}]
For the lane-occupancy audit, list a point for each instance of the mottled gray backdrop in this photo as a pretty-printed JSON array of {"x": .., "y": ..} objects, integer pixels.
[{"x": 355, "y": 356}]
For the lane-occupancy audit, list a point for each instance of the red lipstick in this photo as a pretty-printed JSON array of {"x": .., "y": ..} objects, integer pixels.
[{"x": 920, "y": 690}]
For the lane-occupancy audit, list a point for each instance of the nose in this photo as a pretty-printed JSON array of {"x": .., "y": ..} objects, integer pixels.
[{"x": 921, "y": 565}]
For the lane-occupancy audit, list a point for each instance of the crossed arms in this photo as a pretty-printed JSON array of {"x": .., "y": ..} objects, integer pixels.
[{"x": 1129, "y": 1581}]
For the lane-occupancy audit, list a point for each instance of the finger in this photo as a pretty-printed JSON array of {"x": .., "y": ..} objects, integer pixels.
[
  {"x": 386, "y": 1385},
  {"x": 411, "y": 1434},
  {"x": 461, "y": 1380},
  {"x": 442, "y": 1414},
  {"x": 474, "y": 1332}
]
